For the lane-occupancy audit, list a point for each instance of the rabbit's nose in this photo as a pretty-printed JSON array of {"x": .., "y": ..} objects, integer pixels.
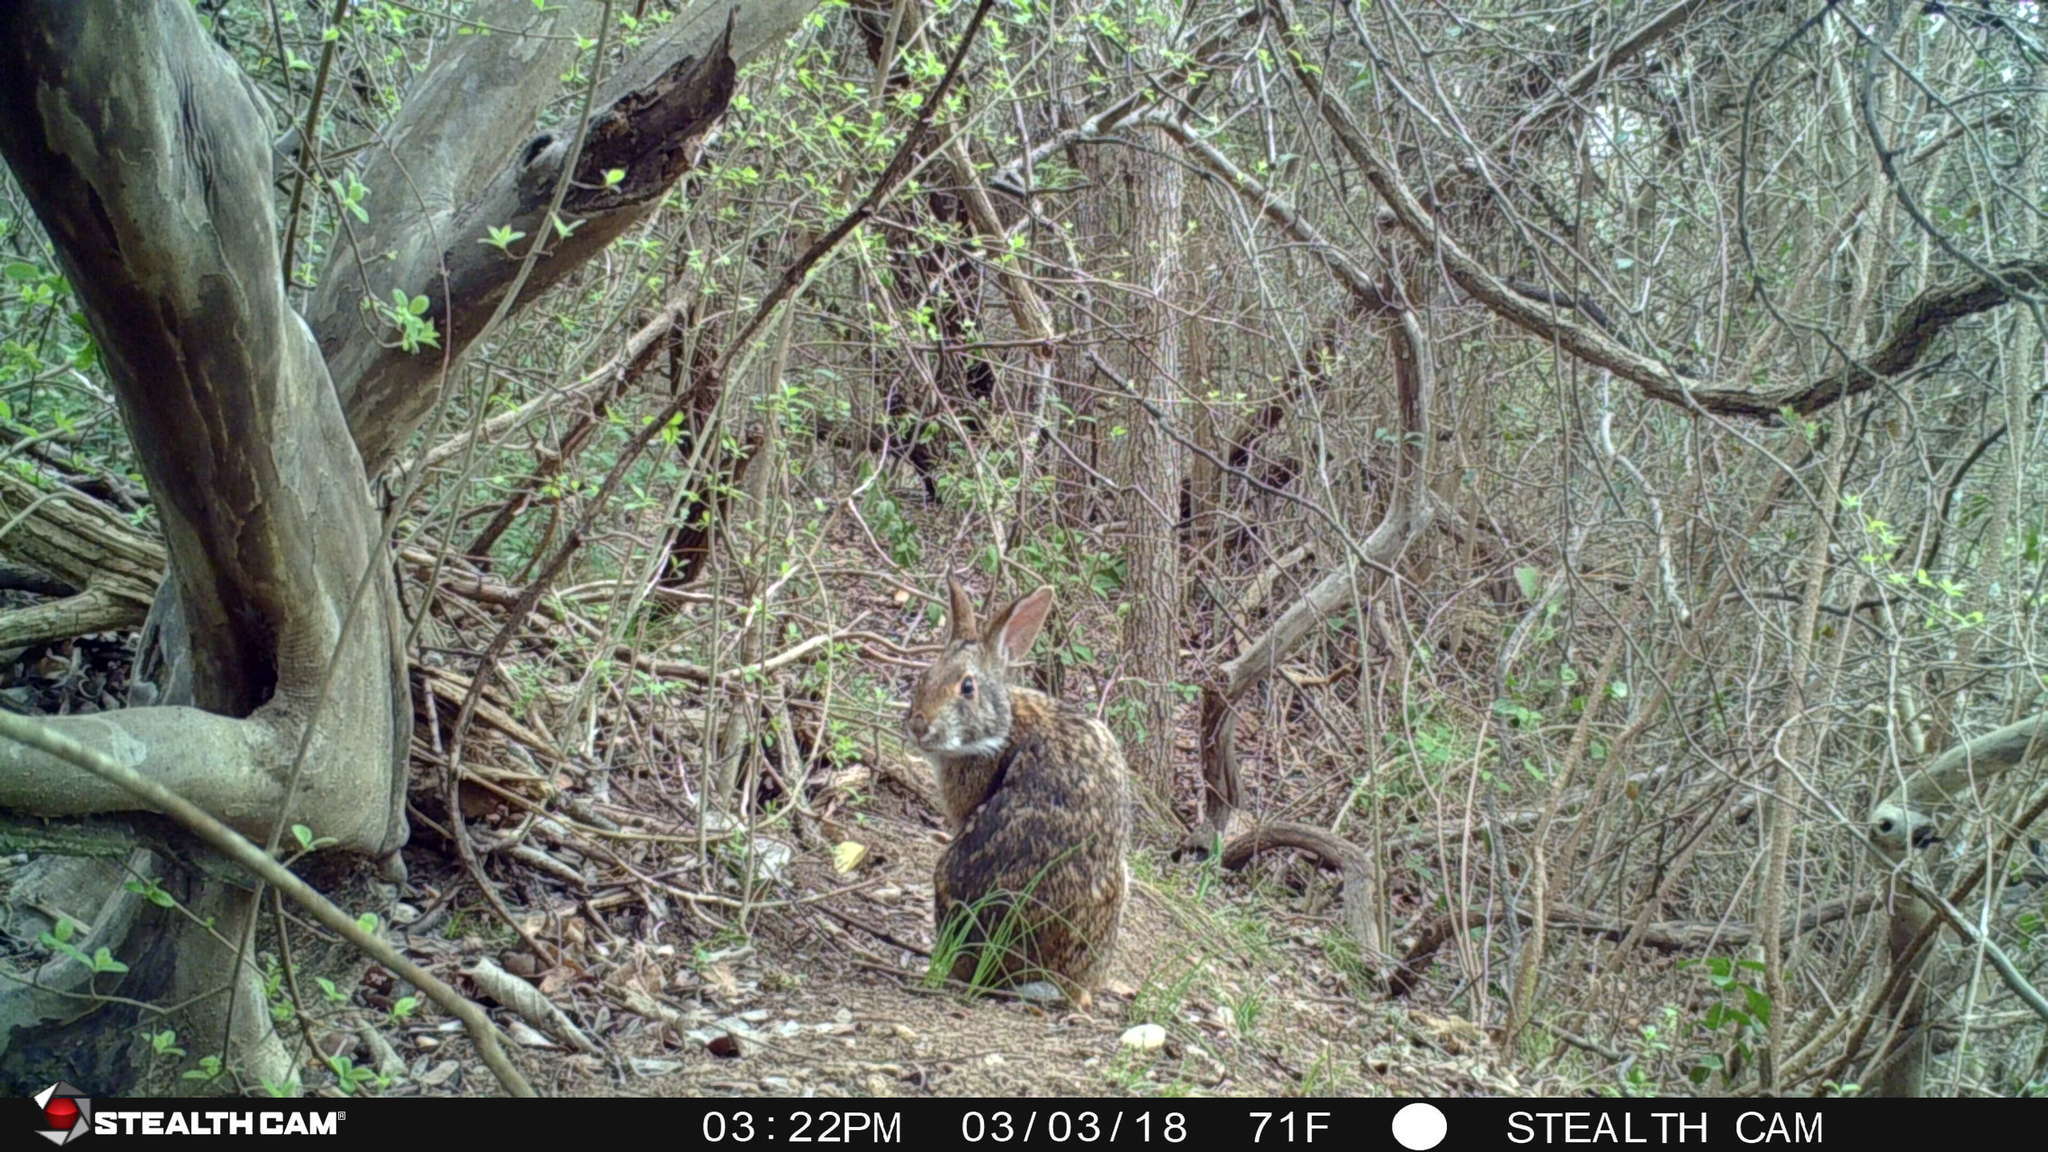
[{"x": 917, "y": 725}]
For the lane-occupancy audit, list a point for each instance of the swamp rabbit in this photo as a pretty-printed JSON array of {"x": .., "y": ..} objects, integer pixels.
[{"x": 1037, "y": 800}]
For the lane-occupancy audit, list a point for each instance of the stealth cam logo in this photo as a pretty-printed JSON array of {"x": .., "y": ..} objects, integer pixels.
[{"x": 67, "y": 1113}]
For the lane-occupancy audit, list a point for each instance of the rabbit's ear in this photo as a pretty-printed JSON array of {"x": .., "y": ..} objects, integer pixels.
[
  {"x": 961, "y": 624},
  {"x": 1011, "y": 633}
]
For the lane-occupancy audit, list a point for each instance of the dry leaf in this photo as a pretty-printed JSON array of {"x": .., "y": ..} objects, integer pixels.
[{"x": 847, "y": 855}]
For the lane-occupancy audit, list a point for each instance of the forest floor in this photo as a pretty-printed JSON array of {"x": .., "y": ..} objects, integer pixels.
[
  {"x": 819, "y": 987},
  {"x": 824, "y": 994}
]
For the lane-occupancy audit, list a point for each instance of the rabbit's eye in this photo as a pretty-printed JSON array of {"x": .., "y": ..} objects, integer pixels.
[{"x": 967, "y": 687}]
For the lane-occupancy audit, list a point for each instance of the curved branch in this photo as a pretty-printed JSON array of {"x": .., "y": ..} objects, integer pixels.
[
  {"x": 218, "y": 762},
  {"x": 1911, "y": 333},
  {"x": 57, "y": 748},
  {"x": 1330, "y": 851},
  {"x": 647, "y": 125},
  {"x": 1901, "y": 821}
]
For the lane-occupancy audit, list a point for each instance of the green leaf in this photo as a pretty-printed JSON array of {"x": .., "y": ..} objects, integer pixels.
[
  {"x": 368, "y": 922},
  {"x": 151, "y": 891},
  {"x": 1530, "y": 579},
  {"x": 1759, "y": 1005},
  {"x": 303, "y": 835}
]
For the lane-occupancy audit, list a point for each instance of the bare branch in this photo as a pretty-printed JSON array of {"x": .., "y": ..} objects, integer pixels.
[{"x": 1911, "y": 333}]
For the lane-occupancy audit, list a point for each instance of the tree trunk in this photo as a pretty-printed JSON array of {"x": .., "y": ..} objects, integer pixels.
[
  {"x": 1154, "y": 465},
  {"x": 139, "y": 145}
]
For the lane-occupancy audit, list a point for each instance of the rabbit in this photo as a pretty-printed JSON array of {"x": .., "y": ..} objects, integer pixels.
[{"x": 1037, "y": 799}]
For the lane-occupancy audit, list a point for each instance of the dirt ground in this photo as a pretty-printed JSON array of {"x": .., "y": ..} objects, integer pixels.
[{"x": 824, "y": 994}]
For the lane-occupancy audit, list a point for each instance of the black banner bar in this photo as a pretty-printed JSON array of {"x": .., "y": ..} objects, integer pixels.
[{"x": 759, "y": 1123}]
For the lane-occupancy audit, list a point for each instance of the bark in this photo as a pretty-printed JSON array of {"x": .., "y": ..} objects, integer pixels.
[
  {"x": 1154, "y": 466},
  {"x": 143, "y": 153},
  {"x": 106, "y": 572},
  {"x": 649, "y": 121}
]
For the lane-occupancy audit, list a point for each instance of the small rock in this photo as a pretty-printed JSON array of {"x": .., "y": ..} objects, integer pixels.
[
  {"x": 404, "y": 913},
  {"x": 903, "y": 1032},
  {"x": 655, "y": 1066},
  {"x": 885, "y": 894},
  {"x": 994, "y": 1060},
  {"x": 780, "y": 1084},
  {"x": 440, "y": 1074},
  {"x": 773, "y": 856},
  {"x": 1145, "y": 1037},
  {"x": 725, "y": 1046}
]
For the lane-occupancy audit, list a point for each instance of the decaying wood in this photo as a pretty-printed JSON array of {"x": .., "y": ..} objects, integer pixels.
[{"x": 79, "y": 544}]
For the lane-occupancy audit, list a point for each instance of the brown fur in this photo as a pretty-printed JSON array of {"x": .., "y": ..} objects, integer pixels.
[{"x": 1037, "y": 798}]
